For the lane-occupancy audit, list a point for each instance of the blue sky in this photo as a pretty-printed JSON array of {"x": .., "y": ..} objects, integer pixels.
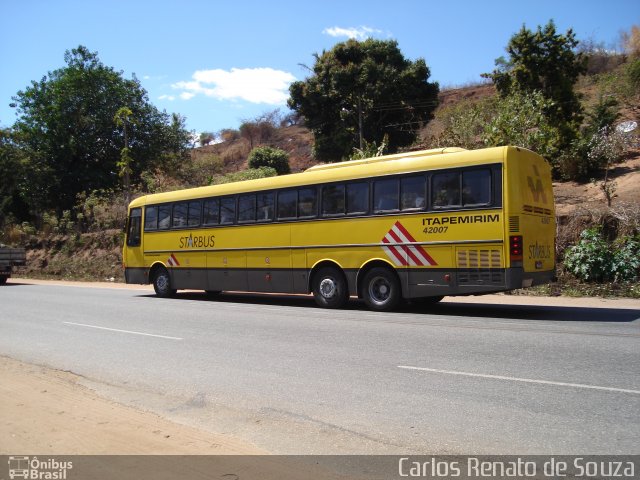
[{"x": 217, "y": 62}]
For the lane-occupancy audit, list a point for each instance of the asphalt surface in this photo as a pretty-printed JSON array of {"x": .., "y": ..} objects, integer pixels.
[{"x": 468, "y": 378}]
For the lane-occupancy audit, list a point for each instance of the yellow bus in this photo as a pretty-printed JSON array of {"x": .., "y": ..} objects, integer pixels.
[{"x": 417, "y": 225}]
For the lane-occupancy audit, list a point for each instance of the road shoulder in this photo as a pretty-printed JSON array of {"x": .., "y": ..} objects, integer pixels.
[{"x": 49, "y": 412}]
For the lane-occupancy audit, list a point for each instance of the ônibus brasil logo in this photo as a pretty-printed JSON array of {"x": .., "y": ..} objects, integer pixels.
[
  {"x": 33, "y": 468},
  {"x": 401, "y": 248}
]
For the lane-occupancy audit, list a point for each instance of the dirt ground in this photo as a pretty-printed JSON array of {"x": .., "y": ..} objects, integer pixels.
[
  {"x": 49, "y": 412},
  {"x": 572, "y": 195}
]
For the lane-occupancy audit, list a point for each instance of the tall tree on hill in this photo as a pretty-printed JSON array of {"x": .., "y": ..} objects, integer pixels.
[
  {"x": 361, "y": 91},
  {"x": 67, "y": 121},
  {"x": 544, "y": 61}
]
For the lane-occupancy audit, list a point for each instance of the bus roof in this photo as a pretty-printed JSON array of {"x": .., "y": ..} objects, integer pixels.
[{"x": 350, "y": 170}]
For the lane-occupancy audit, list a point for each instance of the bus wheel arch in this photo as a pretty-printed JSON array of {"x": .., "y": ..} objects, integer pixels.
[
  {"x": 329, "y": 286},
  {"x": 379, "y": 285},
  {"x": 161, "y": 280}
]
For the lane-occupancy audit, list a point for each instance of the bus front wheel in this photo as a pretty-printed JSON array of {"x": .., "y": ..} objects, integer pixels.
[
  {"x": 162, "y": 283},
  {"x": 381, "y": 289},
  {"x": 330, "y": 288}
]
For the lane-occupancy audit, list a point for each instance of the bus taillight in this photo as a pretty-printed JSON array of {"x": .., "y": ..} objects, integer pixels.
[{"x": 515, "y": 247}]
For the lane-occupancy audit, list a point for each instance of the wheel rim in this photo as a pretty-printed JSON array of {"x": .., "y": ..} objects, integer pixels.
[
  {"x": 162, "y": 282},
  {"x": 379, "y": 290},
  {"x": 328, "y": 288}
]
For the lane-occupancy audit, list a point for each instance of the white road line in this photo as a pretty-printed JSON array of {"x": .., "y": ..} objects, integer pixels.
[
  {"x": 526, "y": 380},
  {"x": 122, "y": 331}
]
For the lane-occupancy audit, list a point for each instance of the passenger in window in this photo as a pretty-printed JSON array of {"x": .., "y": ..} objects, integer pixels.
[
  {"x": 265, "y": 213},
  {"x": 388, "y": 202}
]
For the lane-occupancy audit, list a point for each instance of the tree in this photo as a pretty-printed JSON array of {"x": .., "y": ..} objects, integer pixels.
[
  {"x": 124, "y": 118},
  {"x": 12, "y": 173},
  {"x": 520, "y": 120},
  {"x": 206, "y": 138},
  {"x": 360, "y": 91},
  {"x": 544, "y": 61},
  {"x": 66, "y": 121},
  {"x": 270, "y": 157}
]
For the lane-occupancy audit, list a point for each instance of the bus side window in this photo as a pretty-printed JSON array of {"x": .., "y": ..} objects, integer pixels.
[
  {"x": 445, "y": 190},
  {"x": 150, "y": 218},
  {"x": 287, "y": 203},
  {"x": 164, "y": 217},
  {"x": 333, "y": 200},
  {"x": 357, "y": 198},
  {"x": 227, "y": 210},
  {"x": 307, "y": 202},
  {"x": 134, "y": 230},
  {"x": 193, "y": 216},
  {"x": 247, "y": 208},
  {"x": 412, "y": 193},
  {"x": 385, "y": 195},
  {"x": 476, "y": 187},
  {"x": 180, "y": 214},
  {"x": 211, "y": 214},
  {"x": 266, "y": 203}
]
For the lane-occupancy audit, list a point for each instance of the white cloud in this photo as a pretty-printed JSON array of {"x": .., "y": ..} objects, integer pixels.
[
  {"x": 255, "y": 85},
  {"x": 171, "y": 98},
  {"x": 359, "y": 33}
]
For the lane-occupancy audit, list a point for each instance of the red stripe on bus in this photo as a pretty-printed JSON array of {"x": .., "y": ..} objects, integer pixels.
[
  {"x": 395, "y": 252},
  {"x": 418, "y": 247},
  {"x": 415, "y": 259}
]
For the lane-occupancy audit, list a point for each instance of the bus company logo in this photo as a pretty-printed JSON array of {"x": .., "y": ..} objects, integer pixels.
[
  {"x": 33, "y": 468},
  {"x": 405, "y": 255},
  {"x": 536, "y": 187},
  {"x": 173, "y": 261}
]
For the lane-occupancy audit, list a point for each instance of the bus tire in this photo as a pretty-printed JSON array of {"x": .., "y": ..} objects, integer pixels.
[
  {"x": 162, "y": 283},
  {"x": 381, "y": 289},
  {"x": 3, "y": 279},
  {"x": 330, "y": 288}
]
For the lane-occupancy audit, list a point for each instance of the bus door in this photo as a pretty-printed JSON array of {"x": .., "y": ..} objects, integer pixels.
[{"x": 133, "y": 251}]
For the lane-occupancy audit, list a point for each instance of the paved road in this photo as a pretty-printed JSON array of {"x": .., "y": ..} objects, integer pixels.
[{"x": 292, "y": 378}]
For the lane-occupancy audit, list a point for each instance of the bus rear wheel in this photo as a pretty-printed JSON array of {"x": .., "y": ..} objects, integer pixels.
[
  {"x": 330, "y": 288},
  {"x": 162, "y": 283},
  {"x": 381, "y": 289}
]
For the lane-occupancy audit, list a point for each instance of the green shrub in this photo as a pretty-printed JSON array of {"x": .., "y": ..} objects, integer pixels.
[
  {"x": 270, "y": 157},
  {"x": 594, "y": 259}
]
